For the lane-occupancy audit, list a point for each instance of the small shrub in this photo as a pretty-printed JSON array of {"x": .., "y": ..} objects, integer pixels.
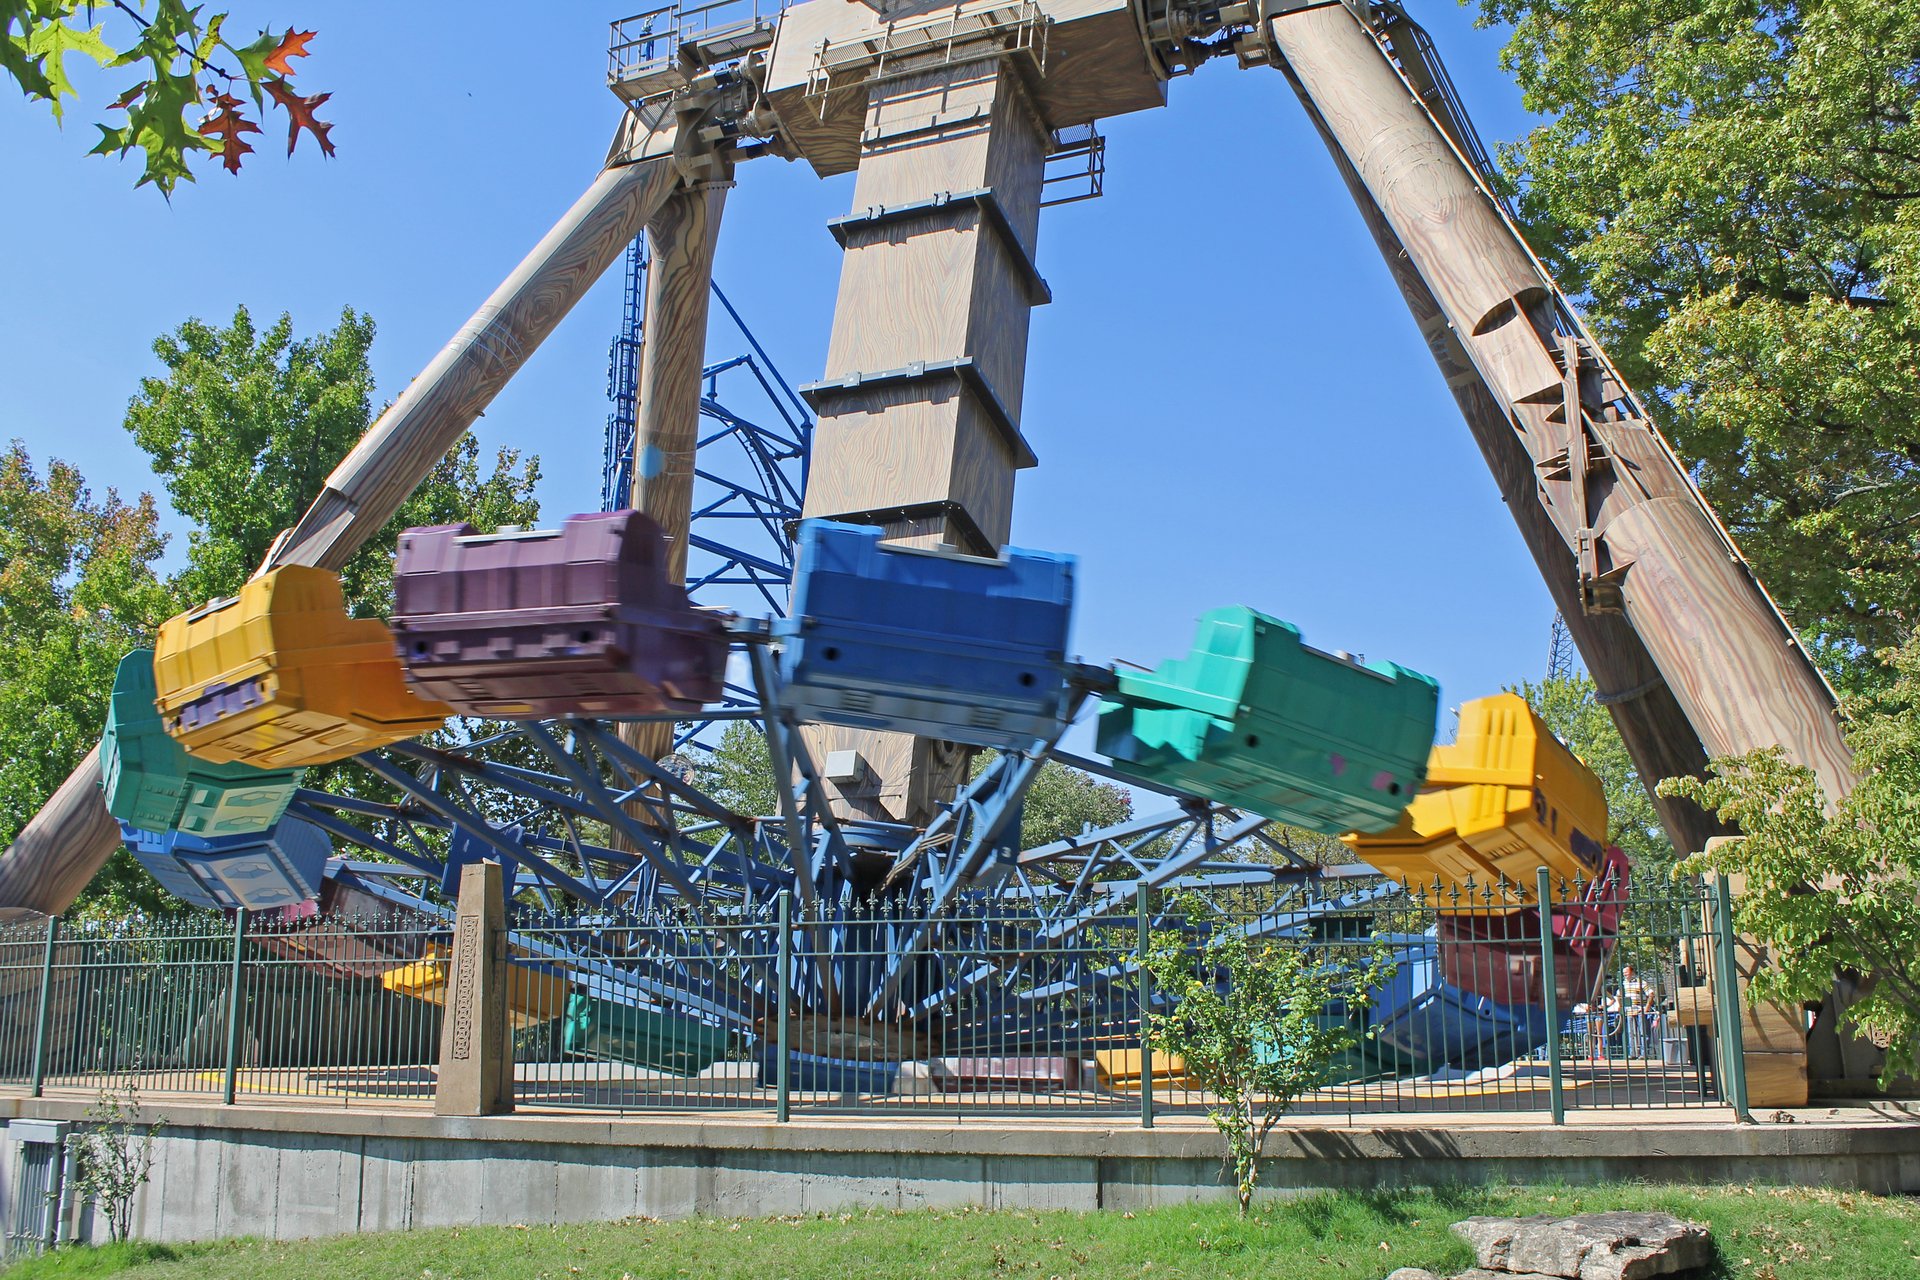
[
  {"x": 1251, "y": 1022},
  {"x": 114, "y": 1155}
]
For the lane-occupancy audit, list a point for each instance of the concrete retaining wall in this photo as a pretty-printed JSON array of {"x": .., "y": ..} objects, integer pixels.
[{"x": 290, "y": 1173}]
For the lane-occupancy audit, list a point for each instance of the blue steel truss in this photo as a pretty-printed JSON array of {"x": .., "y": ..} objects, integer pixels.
[
  {"x": 750, "y": 470},
  {"x": 582, "y": 823}
]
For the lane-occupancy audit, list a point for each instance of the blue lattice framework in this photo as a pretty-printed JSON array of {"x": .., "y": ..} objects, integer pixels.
[
  {"x": 750, "y": 471},
  {"x": 551, "y": 800},
  {"x": 751, "y": 468}
]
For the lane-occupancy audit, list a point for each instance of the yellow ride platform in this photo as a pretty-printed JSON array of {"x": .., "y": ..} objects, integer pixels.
[
  {"x": 280, "y": 676},
  {"x": 1119, "y": 1069},
  {"x": 534, "y": 996},
  {"x": 1501, "y": 801}
]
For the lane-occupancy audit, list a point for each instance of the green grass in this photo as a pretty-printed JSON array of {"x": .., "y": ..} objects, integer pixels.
[{"x": 1763, "y": 1233}]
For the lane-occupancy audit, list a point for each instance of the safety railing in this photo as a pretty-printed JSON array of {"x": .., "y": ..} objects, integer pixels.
[
  {"x": 645, "y": 52},
  {"x": 1014, "y": 1006}
]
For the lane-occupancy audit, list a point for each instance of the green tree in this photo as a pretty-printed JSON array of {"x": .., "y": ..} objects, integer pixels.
[
  {"x": 188, "y": 103},
  {"x": 739, "y": 772},
  {"x": 78, "y": 589},
  {"x": 1732, "y": 185},
  {"x": 1833, "y": 892},
  {"x": 1251, "y": 1020},
  {"x": 1063, "y": 801},
  {"x": 245, "y": 425},
  {"x": 1570, "y": 707}
]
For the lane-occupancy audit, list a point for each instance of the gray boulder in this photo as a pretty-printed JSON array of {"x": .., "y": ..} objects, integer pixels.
[
  {"x": 1413, "y": 1273},
  {"x": 1587, "y": 1246}
]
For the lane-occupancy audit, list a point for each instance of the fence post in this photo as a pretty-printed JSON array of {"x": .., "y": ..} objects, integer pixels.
[
  {"x": 1733, "y": 1054},
  {"x": 236, "y": 996},
  {"x": 42, "y": 1026},
  {"x": 783, "y": 1069},
  {"x": 1140, "y": 946},
  {"x": 1550, "y": 997},
  {"x": 475, "y": 1076}
]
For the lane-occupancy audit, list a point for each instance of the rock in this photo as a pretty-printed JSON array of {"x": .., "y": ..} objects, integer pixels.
[
  {"x": 1413, "y": 1273},
  {"x": 1478, "y": 1274},
  {"x": 1588, "y": 1246}
]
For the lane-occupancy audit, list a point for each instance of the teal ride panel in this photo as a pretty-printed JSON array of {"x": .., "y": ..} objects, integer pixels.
[
  {"x": 1255, "y": 719},
  {"x": 153, "y": 784},
  {"x": 616, "y": 1032}
]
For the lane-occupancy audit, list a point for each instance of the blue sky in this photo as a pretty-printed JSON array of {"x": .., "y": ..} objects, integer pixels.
[{"x": 1227, "y": 396}]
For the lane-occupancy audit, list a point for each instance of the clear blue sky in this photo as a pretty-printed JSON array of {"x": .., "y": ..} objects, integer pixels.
[{"x": 1228, "y": 398}]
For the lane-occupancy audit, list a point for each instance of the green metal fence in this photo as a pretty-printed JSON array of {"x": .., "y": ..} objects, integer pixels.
[
  {"x": 226, "y": 1007},
  {"x": 886, "y": 1009}
]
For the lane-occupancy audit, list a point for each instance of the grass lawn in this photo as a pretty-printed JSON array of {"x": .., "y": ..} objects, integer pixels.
[{"x": 1763, "y": 1233}]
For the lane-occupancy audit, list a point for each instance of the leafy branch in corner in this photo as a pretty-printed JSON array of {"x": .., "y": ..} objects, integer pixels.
[{"x": 191, "y": 103}]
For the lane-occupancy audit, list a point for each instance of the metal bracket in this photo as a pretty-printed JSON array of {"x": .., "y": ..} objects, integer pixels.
[
  {"x": 965, "y": 371},
  {"x": 1599, "y": 591},
  {"x": 981, "y": 198},
  {"x": 1082, "y": 143},
  {"x": 945, "y": 508}
]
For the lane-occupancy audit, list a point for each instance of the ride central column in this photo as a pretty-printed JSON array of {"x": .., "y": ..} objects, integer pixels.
[{"x": 919, "y": 414}]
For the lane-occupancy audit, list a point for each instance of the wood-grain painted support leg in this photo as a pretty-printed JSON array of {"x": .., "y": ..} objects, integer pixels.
[
  {"x": 1642, "y": 546},
  {"x": 681, "y": 238}
]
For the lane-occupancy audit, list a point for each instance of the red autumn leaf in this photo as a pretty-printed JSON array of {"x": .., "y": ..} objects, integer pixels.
[
  {"x": 225, "y": 122},
  {"x": 301, "y": 112},
  {"x": 292, "y": 45}
]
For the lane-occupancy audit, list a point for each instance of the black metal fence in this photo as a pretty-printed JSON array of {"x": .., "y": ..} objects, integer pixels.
[{"x": 1029, "y": 1005}]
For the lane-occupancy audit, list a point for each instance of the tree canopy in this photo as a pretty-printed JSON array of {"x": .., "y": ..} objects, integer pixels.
[
  {"x": 192, "y": 101},
  {"x": 1834, "y": 892},
  {"x": 1731, "y": 184},
  {"x": 78, "y": 589},
  {"x": 244, "y": 426}
]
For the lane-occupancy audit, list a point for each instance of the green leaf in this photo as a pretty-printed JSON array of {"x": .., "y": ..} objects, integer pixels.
[
  {"x": 16, "y": 56},
  {"x": 157, "y": 125},
  {"x": 113, "y": 142},
  {"x": 53, "y": 41},
  {"x": 253, "y": 62},
  {"x": 210, "y": 38}
]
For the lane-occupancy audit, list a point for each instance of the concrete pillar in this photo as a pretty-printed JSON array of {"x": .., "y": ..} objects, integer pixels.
[{"x": 476, "y": 1054}]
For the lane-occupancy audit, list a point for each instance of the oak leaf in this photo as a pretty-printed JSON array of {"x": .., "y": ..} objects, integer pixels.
[
  {"x": 300, "y": 112},
  {"x": 53, "y": 42},
  {"x": 225, "y": 122},
  {"x": 292, "y": 45}
]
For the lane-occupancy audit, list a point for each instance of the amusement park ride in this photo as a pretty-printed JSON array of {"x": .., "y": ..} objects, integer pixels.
[{"x": 520, "y": 705}]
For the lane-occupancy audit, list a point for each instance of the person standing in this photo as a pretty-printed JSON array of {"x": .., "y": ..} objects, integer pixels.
[{"x": 1635, "y": 1004}]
